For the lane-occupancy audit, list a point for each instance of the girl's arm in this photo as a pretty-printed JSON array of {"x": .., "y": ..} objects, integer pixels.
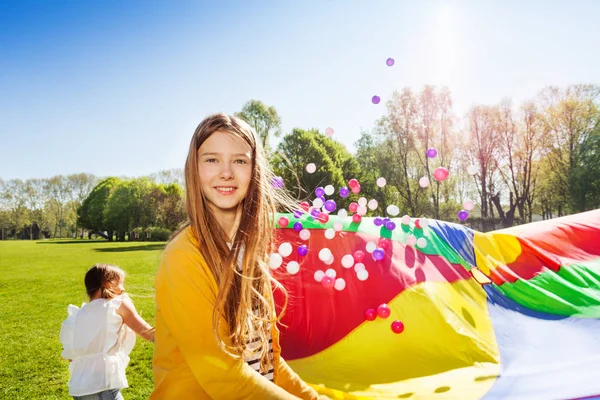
[
  {"x": 132, "y": 319},
  {"x": 185, "y": 297}
]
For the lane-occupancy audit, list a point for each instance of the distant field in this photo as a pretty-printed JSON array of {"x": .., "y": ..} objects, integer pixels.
[{"x": 37, "y": 282}]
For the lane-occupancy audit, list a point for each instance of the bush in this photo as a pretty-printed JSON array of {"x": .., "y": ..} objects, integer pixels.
[{"x": 157, "y": 234}]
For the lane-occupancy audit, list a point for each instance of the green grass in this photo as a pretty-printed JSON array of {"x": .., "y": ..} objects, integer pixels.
[{"x": 37, "y": 282}]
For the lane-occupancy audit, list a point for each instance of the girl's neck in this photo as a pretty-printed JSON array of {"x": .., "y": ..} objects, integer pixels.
[{"x": 229, "y": 221}]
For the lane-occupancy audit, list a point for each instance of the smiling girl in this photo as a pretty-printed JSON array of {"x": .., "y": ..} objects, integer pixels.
[{"x": 216, "y": 334}]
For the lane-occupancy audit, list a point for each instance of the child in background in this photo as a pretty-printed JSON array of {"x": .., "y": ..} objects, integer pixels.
[{"x": 98, "y": 337}]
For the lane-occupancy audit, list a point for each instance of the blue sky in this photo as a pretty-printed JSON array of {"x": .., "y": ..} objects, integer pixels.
[{"x": 117, "y": 87}]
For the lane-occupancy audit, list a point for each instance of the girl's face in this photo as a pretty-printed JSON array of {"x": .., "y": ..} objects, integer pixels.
[{"x": 225, "y": 169}]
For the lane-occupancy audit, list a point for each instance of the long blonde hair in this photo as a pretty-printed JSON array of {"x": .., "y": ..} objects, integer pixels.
[{"x": 244, "y": 298}]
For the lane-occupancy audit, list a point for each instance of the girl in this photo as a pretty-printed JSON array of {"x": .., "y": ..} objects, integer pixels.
[
  {"x": 98, "y": 338},
  {"x": 215, "y": 316}
]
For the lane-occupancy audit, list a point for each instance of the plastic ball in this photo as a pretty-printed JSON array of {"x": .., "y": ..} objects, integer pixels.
[
  {"x": 315, "y": 212},
  {"x": 329, "y": 190},
  {"x": 275, "y": 260},
  {"x": 372, "y": 204},
  {"x": 298, "y": 213},
  {"x": 319, "y": 192},
  {"x": 405, "y": 220},
  {"x": 323, "y": 217},
  {"x": 370, "y": 247},
  {"x": 338, "y": 226},
  {"x": 390, "y": 225},
  {"x": 370, "y": 314},
  {"x": 356, "y": 218},
  {"x": 340, "y": 284},
  {"x": 359, "y": 267},
  {"x": 411, "y": 240},
  {"x": 277, "y": 182},
  {"x": 329, "y": 233},
  {"x": 353, "y": 207},
  {"x": 378, "y": 254},
  {"x": 359, "y": 256},
  {"x": 383, "y": 243},
  {"x": 353, "y": 182},
  {"x": 283, "y": 222},
  {"x": 389, "y": 62},
  {"x": 361, "y": 210},
  {"x": 375, "y": 99},
  {"x": 331, "y": 272},
  {"x": 422, "y": 242},
  {"x": 424, "y": 223},
  {"x": 305, "y": 205},
  {"x": 302, "y": 250},
  {"x": 329, "y": 260},
  {"x": 418, "y": 223},
  {"x": 327, "y": 282},
  {"x": 330, "y": 205},
  {"x": 304, "y": 234},
  {"x": 329, "y": 131},
  {"x": 292, "y": 267},
  {"x": 468, "y": 205},
  {"x": 348, "y": 261},
  {"x": 393, "y": 210},
  {"x": 397, "y": 327},
  {"x": 381, "y": 182},
  {"x": 298, "y": 226},
  {"x": 324, "y": 254},
  {"x": 362, "y": 275},
  {"x": 344, "y": 192},
  {"x": 441, "y": 174},
  {"x": 362, "y": 201},
  {"x": 383, "y": 310},
  {"x": 311, "y": 168},
  {"x": 318, "y": 202},
  {"x": 319, "y": 275},
  {"x": 471, "y": 170},
  {"x": 285, "y": 249},
  {"x": 378, "y": 221},
  {"x": 342, "y": 213},
  {"x": 356, "y": 189},
  {"x": 431, "y": 152},
  {"x": 424, "y": 182},
  {"x": 463, "y": 215}
]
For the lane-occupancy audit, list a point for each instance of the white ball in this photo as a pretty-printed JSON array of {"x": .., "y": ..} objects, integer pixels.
[
  {"x": 311, "y": 168},
  {"x": 373, "y": 204},
  {"x": 421, "y": 242},
  {"x": 362, "y": 201},
  {"x": 468, "y": 205},
  {"x": 471, "y": 170},
  {"x": 362, "y": 275},
  {"x": 317, "y": 203},
  {"x": 292, "y": 267},
  {"x": 338, "y": 226},
  {"x": 331, "y": 273},
  {"x": 342, "y": 213},
  {"x": 362, "y": 210},
  {"x": 406, "y": 220},
  {"x": 329, "y": 261},
  {"x": 324, "y": 254},
  {"x": 319, "y": 275},
  {"x": 329, "y": 189},
  {"x": 304, "y": 234},
  {"x": 411, "y": 240},
  {"x": 359, "y": 267},
  {"x": 329, "y": 233},
  {"x": 347, "y": 261},
  {"x": 340, "y": 284},
  {"x": 285, "y": 249},
  {"x": 381, "y": 182},
  {"x": 424, "y": 222},
  {"x": 424, "y": 182},
  {"x": 275, "y": 260},
  {"x": 393, "y": 210},
  {"x": 371, "y": 246}
]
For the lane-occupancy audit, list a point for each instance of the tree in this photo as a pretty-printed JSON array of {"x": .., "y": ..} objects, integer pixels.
[
  {"x": 264, "y": 119},
  {"x": 91, "y": 214}
]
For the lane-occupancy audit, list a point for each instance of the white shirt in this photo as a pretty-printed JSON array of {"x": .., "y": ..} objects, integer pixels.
[{"x": 96, "y": 339}]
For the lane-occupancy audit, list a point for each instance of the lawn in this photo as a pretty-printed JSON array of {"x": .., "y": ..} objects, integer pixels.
[{"x": 37, "y": 282}]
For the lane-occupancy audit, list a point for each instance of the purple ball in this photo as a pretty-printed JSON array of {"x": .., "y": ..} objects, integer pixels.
[
  {"x": 315, "y": 212},
  {"x": 298, "y": 226},
  {"x": 320, "y": 191},
  {"x": 431, "y": 153},
  {"x": 390, "y": 225},
  {"x": 297, "y": 213},
  {"x": 303, "y": 250},
  {"x": 463, "y": 215},
  {"x": 277, "y": 182},
  {"x": 378, "y": 221},
  {"x": 344, "y": 192},
  {"x": 330, "y": 205},
  {"x": 378, "y": 254},
  {"x": 386, "y": 220},
  {"x": 375, "y": 99},
  {"x": 389, "y": 62}
]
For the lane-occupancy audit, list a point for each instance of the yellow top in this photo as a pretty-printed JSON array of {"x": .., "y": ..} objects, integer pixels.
[{"x": 188, "y": 363}]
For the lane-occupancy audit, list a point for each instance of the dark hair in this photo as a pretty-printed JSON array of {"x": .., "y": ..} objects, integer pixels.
[{"x": 99, "y": 277}]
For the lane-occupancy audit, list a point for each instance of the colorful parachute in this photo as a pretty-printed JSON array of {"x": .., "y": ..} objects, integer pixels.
[{"x": 511, "y": 314}]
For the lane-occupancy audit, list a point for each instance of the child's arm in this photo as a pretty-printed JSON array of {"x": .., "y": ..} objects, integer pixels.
[{"x": 132, "y": 319}]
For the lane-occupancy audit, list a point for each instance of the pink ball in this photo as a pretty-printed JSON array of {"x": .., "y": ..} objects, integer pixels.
[
  {"x": 352, "y": 182},
  {"x": 356, "y": 189},
  {"x": 356, "y": 218},
  {"x": 359, "y": 256},
  {"x": 441, "y": 173},
  {"x": 370, "y": 314},
  {"x": 283, "y": 222},
  {"x": 397, "y": 326},
  {"x": 327, "y": 282},
  {"x": 353, "y": 207},
  {"x": 383, "y": 310},
  {"x": 323, "y": 217}
]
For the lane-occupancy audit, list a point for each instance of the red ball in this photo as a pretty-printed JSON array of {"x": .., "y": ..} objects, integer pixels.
[
  {"x": 283, "y": 222},
  {"x": 356, "y": 218},
  {"x": 418, "y": 223},
  {"x": 359, "y": 256},
  {"x": 323, "y": 217},
  {"x": 383, "y": 310},
  {"x": 327, "y": 282},
  {"x": 353, "y": 207},
  {"x": 383, "y": 243},
  {"x": 441, "y": 173},
  {"x": 304, "y": 205},
  {"x": 356, "y": 189},
  {"x": 352, "y": 183},
  {"x": 397, "y": 326},
  {"x": 370, "y": 314}
]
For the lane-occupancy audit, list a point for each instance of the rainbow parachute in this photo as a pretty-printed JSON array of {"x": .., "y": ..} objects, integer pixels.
[{"x": 511, "y": 314}]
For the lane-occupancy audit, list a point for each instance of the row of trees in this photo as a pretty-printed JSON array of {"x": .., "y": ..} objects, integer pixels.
[{"x": 516, "y": 161}]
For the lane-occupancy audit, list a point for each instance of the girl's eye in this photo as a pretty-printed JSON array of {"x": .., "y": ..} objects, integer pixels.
[
  {"x": 211, "y": 160},
  {"x": 241, "y": 161}
]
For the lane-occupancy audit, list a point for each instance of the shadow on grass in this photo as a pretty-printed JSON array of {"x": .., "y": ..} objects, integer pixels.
[
  {"x": 83, "y": 241},
  {"x": 148, "y": 247}
]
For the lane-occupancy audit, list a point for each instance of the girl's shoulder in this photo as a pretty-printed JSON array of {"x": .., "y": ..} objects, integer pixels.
[{"x": 183, "y": 241}]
